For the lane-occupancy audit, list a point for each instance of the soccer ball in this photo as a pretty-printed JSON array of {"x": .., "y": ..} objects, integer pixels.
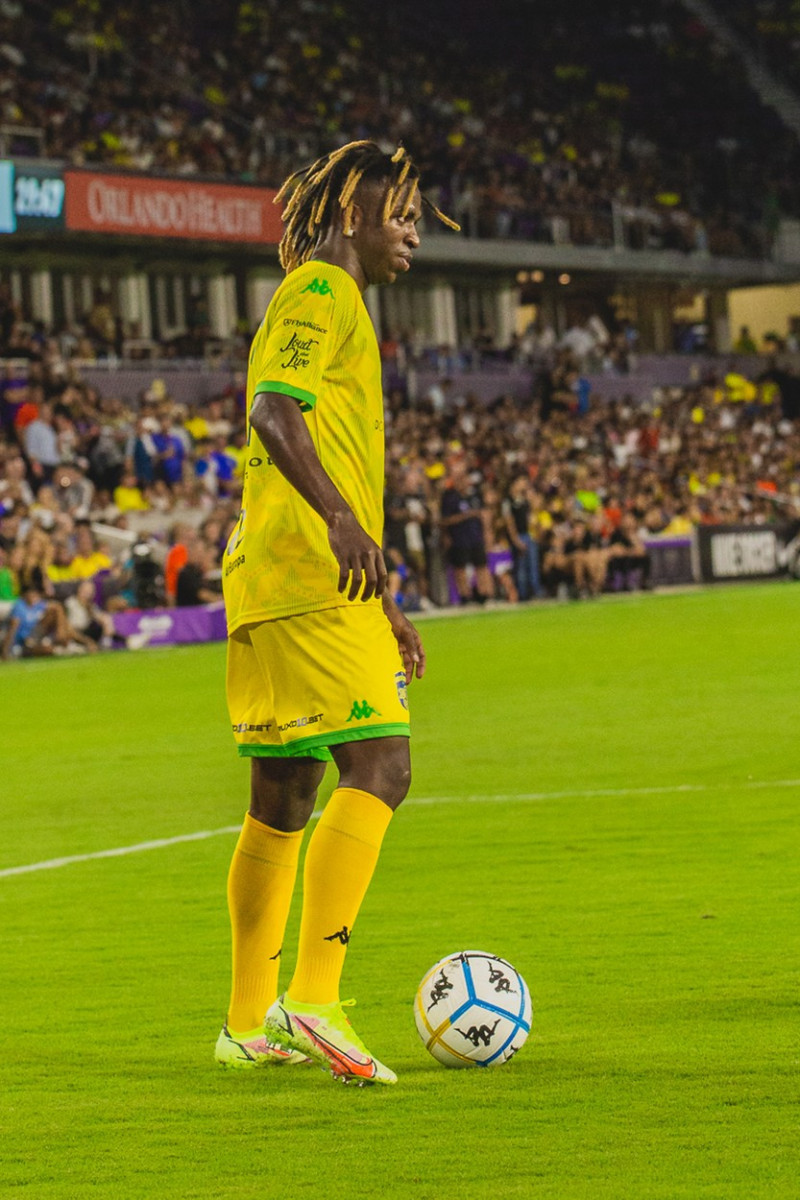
[{"x": 473, "y": 1010}]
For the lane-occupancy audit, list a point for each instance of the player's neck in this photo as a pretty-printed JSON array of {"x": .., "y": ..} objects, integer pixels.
[{"x": 339, "y": 252}]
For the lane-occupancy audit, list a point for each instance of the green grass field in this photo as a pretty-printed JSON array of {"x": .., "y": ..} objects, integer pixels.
[{"x": 605, "y": 794}]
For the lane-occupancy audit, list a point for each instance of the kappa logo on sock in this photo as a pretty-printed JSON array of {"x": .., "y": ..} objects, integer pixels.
[{"x": 342, "y": 935}]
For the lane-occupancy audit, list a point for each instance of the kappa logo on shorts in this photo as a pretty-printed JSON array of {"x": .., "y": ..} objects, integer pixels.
[
  {"x": 402, "y": 688},
  {"x": 362, "y": 711}
]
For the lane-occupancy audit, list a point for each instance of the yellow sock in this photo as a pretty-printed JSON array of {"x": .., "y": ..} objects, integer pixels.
[
  {"x": 341, "y": 858},
  {"x": 260, "y": 885}
]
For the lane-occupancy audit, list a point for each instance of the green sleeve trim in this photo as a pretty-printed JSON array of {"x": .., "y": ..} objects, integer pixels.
[
  {"x": 305, "y": 399},
  {"x": 305, "y": 747}
]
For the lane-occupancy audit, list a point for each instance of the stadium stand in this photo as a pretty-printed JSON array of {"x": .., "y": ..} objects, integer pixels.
[
  {"x": 772, "y": 30},
  {"x": 575, "y": 478},
  {"x": 623, "y": 125},
  {"x": 616, "y": 105}
]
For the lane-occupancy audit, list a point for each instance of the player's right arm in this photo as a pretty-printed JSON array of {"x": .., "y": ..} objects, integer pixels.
[{"x": 283, "y": 432}]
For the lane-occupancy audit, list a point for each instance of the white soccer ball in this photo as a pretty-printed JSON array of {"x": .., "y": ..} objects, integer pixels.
[{"x": 473, "y": 1010}]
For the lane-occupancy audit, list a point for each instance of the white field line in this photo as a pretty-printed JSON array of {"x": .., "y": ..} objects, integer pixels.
[{"x": 504, "y": 798}]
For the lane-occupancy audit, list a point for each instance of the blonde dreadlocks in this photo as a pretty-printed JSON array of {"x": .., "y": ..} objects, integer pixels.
[{"x": 330, "y": 183}]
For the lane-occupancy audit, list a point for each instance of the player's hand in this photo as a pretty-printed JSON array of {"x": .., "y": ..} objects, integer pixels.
[
  {"x": 408, "y": 640},
  {"x": 359, "y": 557}
]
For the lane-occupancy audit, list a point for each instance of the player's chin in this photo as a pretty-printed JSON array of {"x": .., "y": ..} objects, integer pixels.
[{"x": 399, "y": 266}]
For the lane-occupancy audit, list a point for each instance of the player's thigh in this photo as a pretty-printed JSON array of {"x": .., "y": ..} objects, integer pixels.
[
  {"x": 250, "y": 694},
  {"x": 336, "y": 675}
]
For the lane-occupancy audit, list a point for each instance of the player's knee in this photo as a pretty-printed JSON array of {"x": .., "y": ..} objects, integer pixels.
[
  {"x": 382, "y": 767},
  {"x": 396, "y": 785},
  {"x": 283, "y": 792}
]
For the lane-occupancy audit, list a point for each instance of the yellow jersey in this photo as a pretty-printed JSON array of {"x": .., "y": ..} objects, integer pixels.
[{"x": 316, "y": 344}]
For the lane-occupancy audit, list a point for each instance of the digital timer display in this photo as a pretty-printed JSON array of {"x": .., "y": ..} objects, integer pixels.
[
  {"x": 31, "y": 198},
  {"x": 36, "y": 197}
]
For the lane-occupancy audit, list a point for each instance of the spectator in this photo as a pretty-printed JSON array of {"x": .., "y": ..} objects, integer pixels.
[
  {"x": 517, "y": 516},
  {"x": 41, "y": 446},
  {"x": 557, "y": 562},
  {"x": 500, "y": 559},
  {"x": 589, "y": 544},
  {"x": 73, "y": 490},
  {"x": 465, "y": 546},
  {"x": 9, "y": 588},
  {"x": 91, "y": 626},
  {"x": 744, "y": 344},
  {"x": 128, "y": 496},
  {"x": 13, "y": 484},
  {"x": 193, "y": 585},
  {"x": 36, "y": 626},
  {"x": 170, "y": 453},
  {"x": 629, "y": 561},
  {"x": 89, "y": 561}
]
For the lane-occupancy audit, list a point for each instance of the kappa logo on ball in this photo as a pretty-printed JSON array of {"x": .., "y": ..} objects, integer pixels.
[{"x": 473, "y": 1010}]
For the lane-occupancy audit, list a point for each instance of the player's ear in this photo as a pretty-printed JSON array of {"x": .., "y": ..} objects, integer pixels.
[{"x": 356, "y": 221}]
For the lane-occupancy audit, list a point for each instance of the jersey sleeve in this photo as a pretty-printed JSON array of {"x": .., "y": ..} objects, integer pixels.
[{"x": 309, "y": 318}]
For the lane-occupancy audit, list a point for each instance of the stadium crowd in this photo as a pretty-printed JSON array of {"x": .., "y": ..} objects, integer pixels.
[
  {"x": 772, "y": 29},
  {"x": 106, "y": 506},
  {"x": 587, "y": 124}
]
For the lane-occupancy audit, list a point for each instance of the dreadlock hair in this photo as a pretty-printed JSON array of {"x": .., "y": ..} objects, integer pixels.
[{"x": 329, "y": 184}]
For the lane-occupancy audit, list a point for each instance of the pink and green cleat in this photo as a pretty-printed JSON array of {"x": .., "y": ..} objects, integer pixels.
[
  {"x": 246, "y": 1051},
  {"x": 324, "y": 1034}
]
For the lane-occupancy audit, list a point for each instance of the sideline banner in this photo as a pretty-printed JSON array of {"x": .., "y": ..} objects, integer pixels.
[
  {"x": 670, "y": 561},
  {"x": 748, "y": 551},
  {"x": 171, "y": 626},
  {"x": 143, "y": 206}
]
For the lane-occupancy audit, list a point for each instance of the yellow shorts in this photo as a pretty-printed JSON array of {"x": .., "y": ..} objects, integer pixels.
[{"x": 301, "y": 684}]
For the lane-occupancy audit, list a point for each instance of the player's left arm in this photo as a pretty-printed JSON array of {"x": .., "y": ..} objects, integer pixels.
[{"x": 409, "y": 642}]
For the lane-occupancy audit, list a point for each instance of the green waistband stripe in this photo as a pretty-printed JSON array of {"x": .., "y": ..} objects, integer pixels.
[{"x": 305, "y": 747}]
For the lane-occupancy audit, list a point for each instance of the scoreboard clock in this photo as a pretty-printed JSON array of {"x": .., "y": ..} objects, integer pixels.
[{"x": 31, "y": 197}]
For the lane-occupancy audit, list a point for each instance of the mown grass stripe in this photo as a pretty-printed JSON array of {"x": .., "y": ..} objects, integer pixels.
[{"x": 502, "y": 798}]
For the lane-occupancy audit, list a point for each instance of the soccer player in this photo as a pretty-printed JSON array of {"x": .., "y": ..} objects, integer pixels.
[{"x": 319, "y": 655}]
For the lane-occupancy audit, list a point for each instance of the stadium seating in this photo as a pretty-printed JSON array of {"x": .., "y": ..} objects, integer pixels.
[{"x": 577, "y": 111}]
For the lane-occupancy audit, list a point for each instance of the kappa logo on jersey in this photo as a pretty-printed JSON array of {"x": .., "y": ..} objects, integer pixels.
[
  {"x": 402, "y": 689},
  {"x": 361, "y": 711},
  {"x": 320, "y": 287}
]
